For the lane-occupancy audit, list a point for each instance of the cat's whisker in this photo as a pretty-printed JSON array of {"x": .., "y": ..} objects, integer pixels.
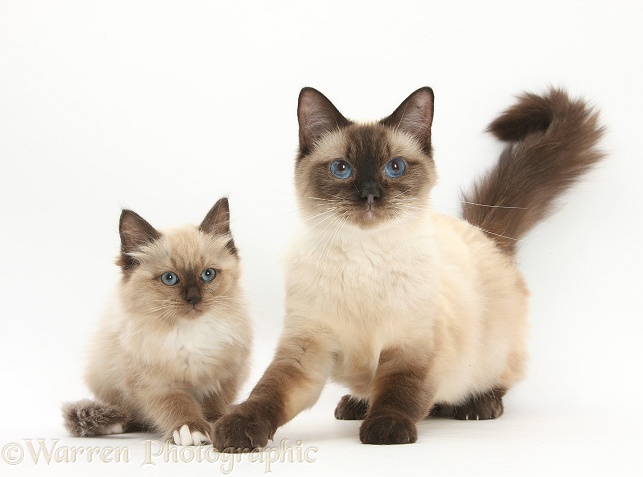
[
  {"x": 492, "y": 206},
  {"x": 497, "y": 235},
  {"x": 320, "y": 214},
  {"x": 324, "y": 233},
  {"x": 305, "y": 230},
  {"x": 330, "y": 239}
]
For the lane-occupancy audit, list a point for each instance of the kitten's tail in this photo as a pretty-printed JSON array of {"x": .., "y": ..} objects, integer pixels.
[
  {"x": 89, "y": 418},
  {"x": 551, "y": 143}
]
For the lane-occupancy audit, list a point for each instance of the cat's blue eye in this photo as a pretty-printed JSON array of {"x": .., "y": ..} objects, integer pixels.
[
  {"x": 341, "y": 169},
  {"x": 208, "y": 274},
  {"x": 395, "y": 168},
  {"x": 169, "y": 279}
]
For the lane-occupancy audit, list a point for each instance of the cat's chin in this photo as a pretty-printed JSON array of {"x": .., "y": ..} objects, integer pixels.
[{"x": 371, "y": 221}]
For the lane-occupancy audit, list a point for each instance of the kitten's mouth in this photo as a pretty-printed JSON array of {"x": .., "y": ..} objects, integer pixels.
[{"x": 193, "y": 311}]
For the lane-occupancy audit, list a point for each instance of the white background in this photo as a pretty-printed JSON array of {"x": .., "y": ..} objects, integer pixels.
[{"x": 164, "y": 107}]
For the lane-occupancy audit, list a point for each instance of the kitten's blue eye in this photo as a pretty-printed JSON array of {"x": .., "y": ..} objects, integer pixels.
[
  {"x": 169, "y": 278},
  {"x": 208, "y": 274},
  {"x": 341, "y": 169},
  {"x": 395, "y": 168}
]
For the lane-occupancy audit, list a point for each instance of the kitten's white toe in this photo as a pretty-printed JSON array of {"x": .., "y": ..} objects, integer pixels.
[
  {"x": 115, "y": 429},
  {"x": 199, "y": 438},
  {"x": 183, "y": 437}
]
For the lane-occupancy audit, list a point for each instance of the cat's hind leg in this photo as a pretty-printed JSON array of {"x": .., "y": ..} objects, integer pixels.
[
  {"x": 88, "y": 418},
  {"x": 350, "y": 408},
  {"x": 476, "y": 407}
]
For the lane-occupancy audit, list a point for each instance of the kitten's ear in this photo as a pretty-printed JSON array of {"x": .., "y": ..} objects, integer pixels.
[
  {"x": 317, "y": 116},
  {"x": 414, "y": 116},
  {"x": 217, "y": 222},
  {"x": 135, "y": 232}
]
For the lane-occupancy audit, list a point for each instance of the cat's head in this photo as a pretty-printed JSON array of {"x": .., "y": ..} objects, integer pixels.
[
  {"x": 180, "y": 273},
  {"x": 365, "y": 175}
]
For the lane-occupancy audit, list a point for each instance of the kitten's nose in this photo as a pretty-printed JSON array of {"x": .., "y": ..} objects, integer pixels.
[
  {"x": 193, "y": 296},
  {"x": 370, "y": 191}
]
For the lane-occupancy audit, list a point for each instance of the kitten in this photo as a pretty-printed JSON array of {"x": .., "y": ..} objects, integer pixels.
[
  {"x": 415, "y": 312},
  {"x": 172, "y": 351}
]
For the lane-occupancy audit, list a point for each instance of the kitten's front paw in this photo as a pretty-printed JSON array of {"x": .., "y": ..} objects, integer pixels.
[
  {"x": 350, "y": 408},
  {"x": 237, "y": 432},
  {"x": 192, "y": 434},
  {"x": 391, "y": 428}
]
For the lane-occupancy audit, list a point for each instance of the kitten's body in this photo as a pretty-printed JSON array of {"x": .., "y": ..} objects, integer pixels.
[
  {"x": 415, "y": 312},
  {"x": 169, "y": 357}
]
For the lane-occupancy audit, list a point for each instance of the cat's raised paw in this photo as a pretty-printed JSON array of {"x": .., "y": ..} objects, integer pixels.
[
  {"x": 390, "y": 428},
  {"x": 236, "y": 432},
  {"x": 191, "y": 435},
  {"x": 350, "y": 408}
]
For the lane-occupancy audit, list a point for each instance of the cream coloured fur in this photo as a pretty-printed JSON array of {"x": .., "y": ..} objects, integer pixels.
[
  {"x": 170, "y": 367},
  {"x": 415, "y": 312},
  {"x": 435, "y": 284}
]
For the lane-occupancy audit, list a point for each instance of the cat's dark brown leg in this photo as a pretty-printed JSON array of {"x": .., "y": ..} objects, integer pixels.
[
  {"x": 401, "y": 398},
  {"x": 477, "y": 407},
  {"x": 292, "y": 382},
  {"x": 350, "y": 408},
  {"x": 177, "y": 415}
]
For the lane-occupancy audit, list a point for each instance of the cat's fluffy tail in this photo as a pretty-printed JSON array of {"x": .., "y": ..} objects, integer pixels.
[
  {"x": 89, "y": 418},
  {"x": 551, "y": 143}
]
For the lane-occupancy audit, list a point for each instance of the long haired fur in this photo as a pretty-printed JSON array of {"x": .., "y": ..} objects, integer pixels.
[
  {"x": 551, "y": 143},
  {"x": 415, "y": 312},
  {"x": 168, "y": 357}
]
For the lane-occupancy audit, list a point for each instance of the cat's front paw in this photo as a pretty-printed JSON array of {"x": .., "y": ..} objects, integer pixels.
[
  {"x": 192, "y": 434},
  {"x": 350, "y": 408},
  {"x": 391, "y": 428},
  {"x": 239, "y": 432}
]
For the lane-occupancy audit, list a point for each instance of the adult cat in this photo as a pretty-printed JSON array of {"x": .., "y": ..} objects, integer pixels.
[{"x": 413, "y": 311}]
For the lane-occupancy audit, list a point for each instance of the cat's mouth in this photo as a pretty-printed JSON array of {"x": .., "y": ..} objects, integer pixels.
[{"x": 368, "y": 216}]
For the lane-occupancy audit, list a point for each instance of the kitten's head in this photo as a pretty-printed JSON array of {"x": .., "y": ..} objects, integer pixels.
[
  {"x": 181, "y": 273},
  {"x": 366, "y": 175}
]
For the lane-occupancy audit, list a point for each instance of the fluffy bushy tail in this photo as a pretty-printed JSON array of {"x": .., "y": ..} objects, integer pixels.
[
  {"x": 551, "y": 143},
  {"x": 89, "y": 418}
]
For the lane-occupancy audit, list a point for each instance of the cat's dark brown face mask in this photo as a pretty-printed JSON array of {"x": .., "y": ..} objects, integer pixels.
[{"x": 364, "y": 175}]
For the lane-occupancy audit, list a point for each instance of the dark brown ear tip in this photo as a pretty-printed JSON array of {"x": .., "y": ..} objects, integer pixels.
[
  {"x": 125, "y": 215},
  {"x": 223, "y": 202},
  {"x": 308, "y": 90}
]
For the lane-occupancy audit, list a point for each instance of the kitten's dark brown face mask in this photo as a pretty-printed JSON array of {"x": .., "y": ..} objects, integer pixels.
[{"x": 364, "y": 175}]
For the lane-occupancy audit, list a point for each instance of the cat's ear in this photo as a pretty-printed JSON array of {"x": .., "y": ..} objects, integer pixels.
[
  {"x": 135, "y": 232},
  {"x": 415, "y": 116},
  {"x": 317, "y": 116},
  {"x": 217, "y": 222}
]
